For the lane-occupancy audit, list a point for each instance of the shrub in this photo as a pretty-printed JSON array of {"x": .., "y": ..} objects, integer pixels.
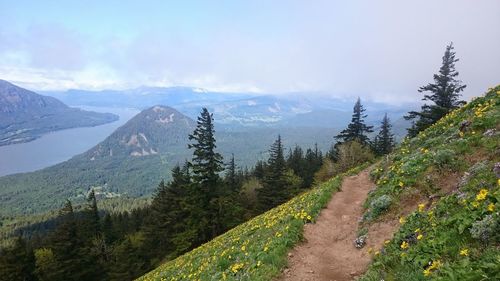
[
  {"x": 444, "y": 159},
  {"x": 378, "y": 206},
  {"x": 352, "y": 154}
]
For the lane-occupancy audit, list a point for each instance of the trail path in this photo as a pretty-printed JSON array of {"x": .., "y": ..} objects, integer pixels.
[{"x": 328, "y": 251}]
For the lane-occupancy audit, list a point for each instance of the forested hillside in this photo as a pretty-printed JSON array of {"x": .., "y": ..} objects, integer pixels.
[{"x": 25, "y": 115}]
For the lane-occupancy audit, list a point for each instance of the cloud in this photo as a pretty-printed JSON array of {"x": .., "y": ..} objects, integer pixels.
[{"x": 380, "y": 50}]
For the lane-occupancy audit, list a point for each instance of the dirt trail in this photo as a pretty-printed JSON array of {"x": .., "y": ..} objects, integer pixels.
[{"x": 328, "y": 252}]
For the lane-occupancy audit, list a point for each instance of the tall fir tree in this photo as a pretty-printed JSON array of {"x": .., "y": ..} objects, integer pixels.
[
  {"x": 206, "y": 166},
  {"x": 168, "y": 217},
  {"x": 67, "y": 245},
  {"x": 232, "y": 178},
  {"x": 357, "y": 130},
  {"x": 274, "y": 190},
  {"x": 445, "y": 95},
  {"x": 384, "y": 141},
  {"x": 92, "y": 215}
]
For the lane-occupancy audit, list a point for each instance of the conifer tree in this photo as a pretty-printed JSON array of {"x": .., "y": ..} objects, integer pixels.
[
  {"x": 357, "y": 130},
  {"x": 274, "y": 190},
  {"x": 67, "y": 247},
  {"x": 232, "y": 178},
  {"x": 384, "y": 141},
  {"x": 168, "y": 216},
  {"x": 92, "y": 214},
  {"x": 444, "y": 95},
  {"x": 206, "y": 166}
]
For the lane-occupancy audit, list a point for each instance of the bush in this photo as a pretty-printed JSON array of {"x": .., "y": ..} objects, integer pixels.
[
  {"x": 444, "y": 159},
  {"x": 378, "y": 206},
  {"x": 352, "y": 154}
]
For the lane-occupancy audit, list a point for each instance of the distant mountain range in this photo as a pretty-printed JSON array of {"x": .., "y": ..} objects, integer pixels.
[
  {"x": 25, "y": 115},
  {"x": 240, "y": 109},
  {"x": 134, "y": 158}
]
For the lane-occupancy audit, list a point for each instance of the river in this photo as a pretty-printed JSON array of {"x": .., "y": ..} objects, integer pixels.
[{"x": 59, "y": 146}]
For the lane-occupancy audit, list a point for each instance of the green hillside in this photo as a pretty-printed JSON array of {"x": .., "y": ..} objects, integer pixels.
[
  {"x": 442, "y": 186},
  {"x": 445, "y": 189}
]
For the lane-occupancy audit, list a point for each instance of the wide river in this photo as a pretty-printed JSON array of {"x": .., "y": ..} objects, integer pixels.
[{"x": 59, "y": 146}]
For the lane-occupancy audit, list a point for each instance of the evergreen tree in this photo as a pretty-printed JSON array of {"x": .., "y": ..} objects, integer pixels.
[
  {"x": 357, "y": 129},
  {"x": 274, "y": 190},
  {"x": 295, "y": 160},
  {"x": 445, "y": 95},
  {"x": 384, "y": 141},
  {"x": 206, "y": 165},
  {"x": 92, "y": 223},
  {"x": 17, "y": 262},
  {"x": 126, "y": 264},
  {"x": 232, "y": 178},
  {"x": 67, "y": 247},
  {"x": 169, "y": 212}
]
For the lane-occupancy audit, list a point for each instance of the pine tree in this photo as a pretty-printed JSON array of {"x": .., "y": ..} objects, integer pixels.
[
  {"x": 384, "y": 141},
  {"x": 92, "y": 215},
  {"x": 168, "y": 217},
  {"x": 206, "y": 165},
  {"x": 357, "y": 129},
  {"x": 67, "y": 247},
  {"x": 17, "y": 262},
  {"x": 232, "y": 178},
  {"x": 445, "y": 95},
  {"x": 274, "y": 190}
]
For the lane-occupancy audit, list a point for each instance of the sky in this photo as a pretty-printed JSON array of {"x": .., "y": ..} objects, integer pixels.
[{"x": 380, "y": 50}]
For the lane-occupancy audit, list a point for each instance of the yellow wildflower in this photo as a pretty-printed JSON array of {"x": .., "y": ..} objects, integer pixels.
[
  {"x": 387, "y": 242},
  {"x": 404, "y": 245},
  {"x": 419, "y": 237},
  {"x": 421, "y": 207},
  {"x": 464, "y": 252},
  {"x": 402, "y": 220},
  {"x": 482, "y": 194},
  {"x": 491, "y": 207},
  {"x": 417, "y": 230},
  {"x": 401, "y": 184}
]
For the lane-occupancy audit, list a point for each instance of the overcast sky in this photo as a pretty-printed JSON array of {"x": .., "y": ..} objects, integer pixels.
[{"x": 381, "y": 50}]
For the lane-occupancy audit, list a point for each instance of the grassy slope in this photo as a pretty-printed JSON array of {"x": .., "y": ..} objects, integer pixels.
[
  {"x": 444, "y": 190},
  {"x": 255, "y": 250}
]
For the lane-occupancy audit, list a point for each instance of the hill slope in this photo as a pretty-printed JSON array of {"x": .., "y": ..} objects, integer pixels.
[
  {"x": 131, "y": 161},
  {"x": 25, "y": 115},
  {"x": 441, "y": 187}
]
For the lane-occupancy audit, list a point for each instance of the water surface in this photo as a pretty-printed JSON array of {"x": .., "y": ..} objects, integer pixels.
[{"x": 59, "y": 146}]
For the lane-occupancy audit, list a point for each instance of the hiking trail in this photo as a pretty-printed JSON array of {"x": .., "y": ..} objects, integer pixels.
[{"x": 328, "y": 251}]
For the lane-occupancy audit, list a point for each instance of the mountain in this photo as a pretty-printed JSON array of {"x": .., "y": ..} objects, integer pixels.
[
  {"x": 134, "y": 158},
  {"x": 25, "y": 115},
  {"x": 240, "y": 109}
]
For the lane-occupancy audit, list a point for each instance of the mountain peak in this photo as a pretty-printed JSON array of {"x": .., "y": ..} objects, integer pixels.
[{"x": 150, "y": 132}]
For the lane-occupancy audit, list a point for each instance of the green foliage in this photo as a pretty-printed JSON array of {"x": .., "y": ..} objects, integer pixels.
[
  {"x": 17, "y": 262},
  {"x": 378, "y": 206},
  {"x": 357, "y": 130},
  {"x": 444, "y": 159},
  {"x": 445, "y": 94},
  {"x": 384, "y": 141}
]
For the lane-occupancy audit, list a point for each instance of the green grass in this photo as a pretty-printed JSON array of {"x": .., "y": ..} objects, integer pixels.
[{"x": 458, "y": 231}]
